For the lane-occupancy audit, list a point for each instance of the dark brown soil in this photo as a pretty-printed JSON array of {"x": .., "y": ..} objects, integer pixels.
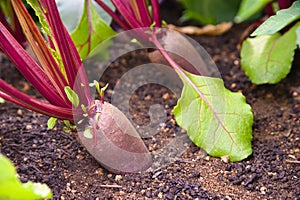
[{"x": 272, "y": 172}]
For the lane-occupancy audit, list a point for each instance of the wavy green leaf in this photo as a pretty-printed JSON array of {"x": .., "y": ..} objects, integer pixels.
[
  {"x": 268, "y": 58},
  {"x": 216, "y": 119},
  {"x": 90, "y": 32},
  {"x": 248, "y": 8},
  {"x": 39, "y": 13},
  {"x": 12, "y": 188},
  {"x": 279, "y": 21}
]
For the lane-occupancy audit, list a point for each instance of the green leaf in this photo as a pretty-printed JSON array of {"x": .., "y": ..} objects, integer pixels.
[
  {"x": 210, "y": 11},
  {"x": 102, "y": 90},
  {"x": 90, "y": 31},
  {"x": 71, "y": 11},
  {"x": 72, "y": 96},
  {"x": 67, "y": 123},
  {"x": 87, "y": 133},
  {"x": 97, "y": 85},
  {"x": 67, "y": 130},
  {"x": 248, "y": 8},
  {"x": 12, "y": 188},
  {"x": 280, "y": 20},
  {"x": 218, "y": 120},
  {"x": 2, "y": 100},
  {"x": 39, "y": 13},
  {"x": 51, "y": 122},
  {"x": 83, "y": 108},
  {"x": 268, "y": 58}
]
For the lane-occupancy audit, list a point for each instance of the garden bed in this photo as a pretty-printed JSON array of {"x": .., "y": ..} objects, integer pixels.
[{"x": 273, "y": 171}]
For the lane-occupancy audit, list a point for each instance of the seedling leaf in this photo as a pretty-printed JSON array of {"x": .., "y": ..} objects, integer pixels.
[
  {"x": 51, "y": 122},
  {"x": 72, "y": 96},
  {"x": 67, "y": 123},
  {"x": 97, "y": 86},
  {"x": 12, "y": 188},
  {"x": 221, "y": 124},
  {"x": 280, "y": 20},
  {"x": 83, "y": 108},
  {"x": 102, "y": 90},
  {"x": 87, "y": 133},
  {"x": 67, "y": 130},
  {"x": 268, "y": 58}
]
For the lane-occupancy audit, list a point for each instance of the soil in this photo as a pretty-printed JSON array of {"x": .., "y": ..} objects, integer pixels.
[{"x": 271, "y": 172}]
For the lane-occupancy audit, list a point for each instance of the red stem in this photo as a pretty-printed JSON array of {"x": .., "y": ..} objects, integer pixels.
[
  {"x": 283, "y": 4},
  {"x": 18, "y": 32},
  {"x": 127, "y": 14},
  {"x": 269, "y": 9},
  {"x": 156, "y": 13},
  {"x": 41, "y": 49},
  {"x": 28, "y": 67},
  {"x": 13, "y": 95},
  {"x": 116, "y": 18},
  {"x": 5, "y": 23},
  {"x": 71, "y": 60},
  {"x": 141, "y": 12}
]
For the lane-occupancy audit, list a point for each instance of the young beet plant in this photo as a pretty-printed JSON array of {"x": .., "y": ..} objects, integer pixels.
[
  {"x": 268, "y": 54},
  {"x": 59, "y": 74},
  {"x": 216, "y": 119}
]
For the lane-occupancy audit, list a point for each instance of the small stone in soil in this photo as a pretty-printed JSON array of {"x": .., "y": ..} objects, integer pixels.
[
  {"x": 118, "y": 178},
  {"x": 28, "y": 126},
  {"x": 225, "y": 159},
  {"x": 263, "y": 190},
  {"x": 20, "y": 112}
]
